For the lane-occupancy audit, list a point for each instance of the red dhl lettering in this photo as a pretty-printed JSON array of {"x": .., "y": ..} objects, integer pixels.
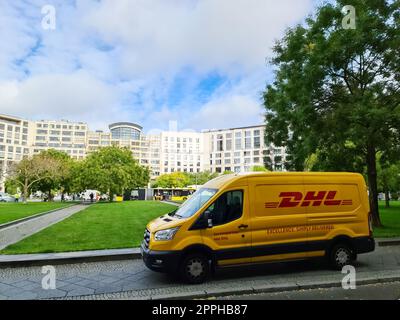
[{"x": 311, "y": 198}]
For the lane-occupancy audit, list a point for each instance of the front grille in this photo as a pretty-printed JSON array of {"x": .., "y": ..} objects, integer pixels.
[{"x": 146, "y": 237}]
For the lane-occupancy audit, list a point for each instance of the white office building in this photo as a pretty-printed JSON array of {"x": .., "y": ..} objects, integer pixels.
[
  {"x": 234, "y": 149},
  {"x": 239, "y": 149}
]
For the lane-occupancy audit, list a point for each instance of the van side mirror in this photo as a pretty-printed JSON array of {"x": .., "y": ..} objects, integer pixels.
[
  {"x": 208, "y": 218},
  {"x": 203, "y": 222}
]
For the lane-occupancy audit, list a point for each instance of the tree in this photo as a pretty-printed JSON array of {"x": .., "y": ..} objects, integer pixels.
[
  {"x": 111, "y": 170},
  {"x": 173, "y": 180},
  {"x": 32, "y": 170},
  {"x": 388, "y": 178},
  {"x": 200, "y": 178},
  {"x": 61, "y": 181},
  {"x": 337, "y": 91},
  {"x": 259, "y": 169}
]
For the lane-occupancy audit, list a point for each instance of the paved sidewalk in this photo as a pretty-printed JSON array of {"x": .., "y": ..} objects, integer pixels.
[
  {"x": 24, "y": 229},
  {"x": 171, "y": 202},
  {"x": 130, "y": 279}
]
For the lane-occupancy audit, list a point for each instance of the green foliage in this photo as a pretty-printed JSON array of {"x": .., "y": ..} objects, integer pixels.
[
  {"x": 60, "y": 181},
  {"x": 11, "y": 187},
  {"x": 200, "y": 178},
  {"x": 259, "y": 169},
  {"x": 173, "y": 180},
  {"x": 110, "y": 170},
  {"x": 388, "y": 177},
  {"x": 184, "y": 179},
  {"x": 336, "y": 92},
  {"x": 31, "y": 171}
]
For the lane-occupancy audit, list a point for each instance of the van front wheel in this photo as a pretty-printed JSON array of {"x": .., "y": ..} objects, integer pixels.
[
  {"x": 341, "y": 255},
  {"x": 195, "y": 268}
]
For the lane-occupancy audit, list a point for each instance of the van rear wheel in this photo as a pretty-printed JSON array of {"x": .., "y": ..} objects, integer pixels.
[
  {"x": 195, "y": 268},
  {"x": 341, "y": 255}
]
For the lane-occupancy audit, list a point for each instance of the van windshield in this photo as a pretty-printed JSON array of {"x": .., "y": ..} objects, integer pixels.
[{"x": 195, "y": 202}]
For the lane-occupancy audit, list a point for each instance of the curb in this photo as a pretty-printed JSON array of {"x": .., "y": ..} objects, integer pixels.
[
  {"x": 68, "y": 257},
  {"x": 14, "y": 222},
  {"x": 166, "y": 294},
  {"x": 389, "y": 242},
  {"x": 97, "y": 255},
  {"x": 270, "y": 289}
]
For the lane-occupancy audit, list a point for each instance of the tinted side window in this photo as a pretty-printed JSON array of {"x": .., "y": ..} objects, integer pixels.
[{"x": 228, "y": 207}]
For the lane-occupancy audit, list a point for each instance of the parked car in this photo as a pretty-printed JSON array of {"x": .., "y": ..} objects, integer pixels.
[
  {"x": 5, "y": 197},
  {"x": 59, "y": 197}
]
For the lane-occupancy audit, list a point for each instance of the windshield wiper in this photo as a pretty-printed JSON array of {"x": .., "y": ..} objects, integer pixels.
[{"x": 172, "y": 213}]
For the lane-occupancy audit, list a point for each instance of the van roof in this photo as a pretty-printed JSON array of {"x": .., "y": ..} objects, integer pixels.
[{"x": 222, "y": 180}]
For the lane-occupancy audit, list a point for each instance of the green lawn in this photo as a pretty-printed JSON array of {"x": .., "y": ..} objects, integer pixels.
[
  {"x": 101, "y": 226},
  {"x": 14, "y": 211},
  {"x": 390, "y": 219},
  {"x": 121, "y": 225}
]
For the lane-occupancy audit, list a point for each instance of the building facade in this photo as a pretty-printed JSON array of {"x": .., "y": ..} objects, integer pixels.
[
  {"x": 239, "y": 149},
  {"x": 234, "y": 149}
]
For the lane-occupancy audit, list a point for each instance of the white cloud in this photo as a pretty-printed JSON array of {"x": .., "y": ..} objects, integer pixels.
[
  {"x": 74, "y": 95},
  {"x": 159, "y": 35},
  {"x": 227, "y": 112},
  {"x": 103, "y": 54}
]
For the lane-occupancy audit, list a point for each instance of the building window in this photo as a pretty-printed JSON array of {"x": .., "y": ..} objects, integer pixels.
[
  {"x": 257, "y": 143},
  {"x": 247, "y": 143},
  {"x": 228, "y": 145},
  {"x": 238, "y": 144}
]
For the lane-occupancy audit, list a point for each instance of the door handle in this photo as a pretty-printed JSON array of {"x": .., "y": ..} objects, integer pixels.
[{"x": 243, "y": 226}]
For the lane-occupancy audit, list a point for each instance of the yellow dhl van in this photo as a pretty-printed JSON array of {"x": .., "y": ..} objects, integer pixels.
[{"x": 262, "y": 217}]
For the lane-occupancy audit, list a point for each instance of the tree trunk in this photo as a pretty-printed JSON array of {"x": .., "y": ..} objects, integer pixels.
[
  {"x": 387, "y": 199},
  {"x": 372, "y": 184},
  {"x": 25, "y": 192}
]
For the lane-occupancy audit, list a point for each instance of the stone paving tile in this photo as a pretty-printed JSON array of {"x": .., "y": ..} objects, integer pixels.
[
  {"x": 70, "y": 287},
  {"x": 4, "y": 286},
  {"x": 80, "y": 292},
  {"x": 25, "y": 284},
  {"x": 128, "y": 279},
  {"x": 24, "y": 295},
  {"x": 74, "y": 279},
  {"x": 46, "y": 294},
  {"x": 108, "y": 288}
]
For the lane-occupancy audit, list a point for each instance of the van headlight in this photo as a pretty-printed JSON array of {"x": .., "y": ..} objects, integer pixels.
[{"x": 167, "y": 234}]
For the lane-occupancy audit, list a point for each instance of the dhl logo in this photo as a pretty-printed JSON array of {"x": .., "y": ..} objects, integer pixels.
[{"x": 312, "y": 198}]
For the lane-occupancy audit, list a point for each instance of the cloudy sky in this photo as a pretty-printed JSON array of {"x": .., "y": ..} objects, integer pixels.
[{"x": 201, "y": 63}]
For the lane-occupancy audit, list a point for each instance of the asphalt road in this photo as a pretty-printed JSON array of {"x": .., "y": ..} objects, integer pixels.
[
  {"x": 130, "y": 279},
  {"x": 379, "y": 291}
]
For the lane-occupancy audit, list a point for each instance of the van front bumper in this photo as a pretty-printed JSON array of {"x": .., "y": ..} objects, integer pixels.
[{"x": 160, "y": 261}]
